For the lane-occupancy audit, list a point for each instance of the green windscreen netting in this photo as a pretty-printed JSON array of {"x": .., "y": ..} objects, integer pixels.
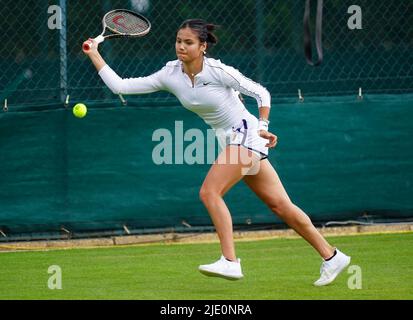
[
  {"x": 344, "y": 153},
  {"x": 338, "y": 161}
]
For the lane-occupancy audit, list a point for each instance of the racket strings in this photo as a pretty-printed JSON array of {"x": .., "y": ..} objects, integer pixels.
[{"x": 126, "y": 23}]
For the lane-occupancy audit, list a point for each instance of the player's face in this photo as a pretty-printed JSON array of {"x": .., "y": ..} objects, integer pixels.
[{"x": 188, "y": 47}]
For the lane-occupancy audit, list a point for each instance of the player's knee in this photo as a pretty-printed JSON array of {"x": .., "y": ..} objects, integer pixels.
[
  {"x": 207, "y": 194},
  {"x": 281, "y": 207}
]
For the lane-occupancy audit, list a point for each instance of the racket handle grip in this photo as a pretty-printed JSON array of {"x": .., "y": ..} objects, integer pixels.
[
  {"x": 87, "y": 45},
  {"x": 99, "y": 39}
]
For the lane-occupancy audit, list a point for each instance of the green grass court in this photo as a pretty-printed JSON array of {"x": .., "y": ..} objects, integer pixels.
[{"x": 274, "y": 269}]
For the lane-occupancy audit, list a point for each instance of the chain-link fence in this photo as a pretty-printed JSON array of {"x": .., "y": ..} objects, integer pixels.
[{"x": 42, "y": 62}]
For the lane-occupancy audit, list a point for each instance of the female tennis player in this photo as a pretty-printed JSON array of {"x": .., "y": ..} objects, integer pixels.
[{"x": 209, "y": 88}]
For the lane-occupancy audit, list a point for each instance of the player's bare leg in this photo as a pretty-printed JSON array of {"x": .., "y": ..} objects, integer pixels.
[
  {"x": 231, "y": 165},
  {"x": 268, "y": 187},
  {"x": 227, "y": 170}
]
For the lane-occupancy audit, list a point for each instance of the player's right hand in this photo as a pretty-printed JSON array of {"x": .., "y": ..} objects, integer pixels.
[{"x": 89, "y": 46}]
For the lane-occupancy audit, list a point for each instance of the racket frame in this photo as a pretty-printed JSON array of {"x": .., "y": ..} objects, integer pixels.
[{"x": 116, "y": 34}]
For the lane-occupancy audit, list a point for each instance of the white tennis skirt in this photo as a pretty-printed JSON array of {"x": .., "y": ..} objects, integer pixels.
[{"x": 244, "y": 134}]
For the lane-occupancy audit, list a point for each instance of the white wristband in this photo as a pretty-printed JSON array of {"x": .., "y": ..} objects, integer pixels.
[{"x": 263, "y": 124}]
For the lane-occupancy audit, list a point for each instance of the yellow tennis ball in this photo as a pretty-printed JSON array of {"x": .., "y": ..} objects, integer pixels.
[{"x": 79, "y": 110}]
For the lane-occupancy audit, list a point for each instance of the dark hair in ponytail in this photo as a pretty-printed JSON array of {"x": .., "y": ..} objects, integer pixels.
[{"x": 204, "y": 30}]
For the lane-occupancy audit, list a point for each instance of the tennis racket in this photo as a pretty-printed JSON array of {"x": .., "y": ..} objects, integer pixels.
[{"x": 121, "y": 23}]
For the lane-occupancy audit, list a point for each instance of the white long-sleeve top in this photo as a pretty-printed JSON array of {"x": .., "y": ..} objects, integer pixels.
[{"x": 212, "y": 96}]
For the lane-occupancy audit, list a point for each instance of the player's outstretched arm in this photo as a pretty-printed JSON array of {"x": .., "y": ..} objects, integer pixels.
[
  {"x": 115, "y": 83},
  {"x": 94, "y": 55}
]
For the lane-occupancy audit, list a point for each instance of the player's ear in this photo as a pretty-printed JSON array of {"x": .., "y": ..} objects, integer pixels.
[{"x": 204, "y": 47}]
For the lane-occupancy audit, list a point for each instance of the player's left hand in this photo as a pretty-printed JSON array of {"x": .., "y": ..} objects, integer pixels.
[{"x": 272, "y": 138}]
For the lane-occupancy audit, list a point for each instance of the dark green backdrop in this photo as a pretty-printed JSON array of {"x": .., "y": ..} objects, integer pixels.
[
  {"x": 338, "y": 161},
  {"x": 339, "y": 158}
]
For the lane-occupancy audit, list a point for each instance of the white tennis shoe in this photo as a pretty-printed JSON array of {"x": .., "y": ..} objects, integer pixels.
[
  {"x": 331, "y": 269},
  {"x": 230, "y": 270}
]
